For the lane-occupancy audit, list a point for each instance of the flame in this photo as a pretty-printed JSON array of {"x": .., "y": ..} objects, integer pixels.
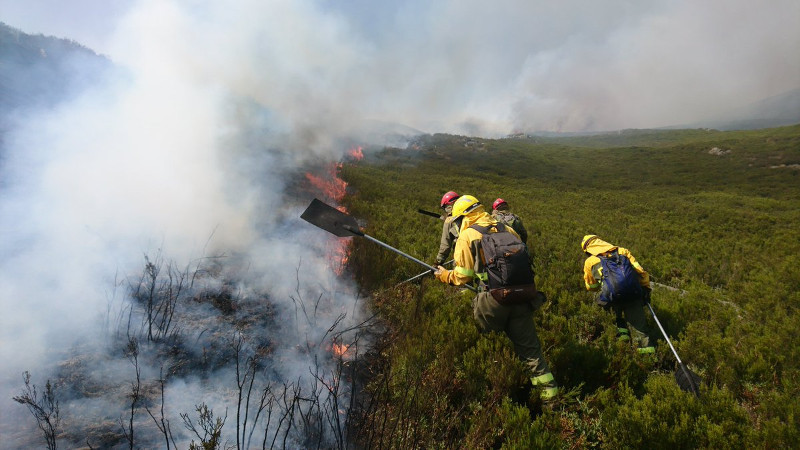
[
  {"x": 334, "y": 189},
  {"x": 343, "y": 351},
  {"x": 339, "y": 349},
  {"x": 356, "y": 153},
  {"x": 338, "y": 252}
]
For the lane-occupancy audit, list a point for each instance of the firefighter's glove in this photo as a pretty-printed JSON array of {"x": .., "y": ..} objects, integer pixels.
[
  {"x": 439, "y": 273},
  {"x": 646, "y": 295}
]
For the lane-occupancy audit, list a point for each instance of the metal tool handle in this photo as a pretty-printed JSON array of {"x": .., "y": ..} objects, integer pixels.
[
  {"x": 683, "y": 367},
  {"x": 421, "y": 274},
  {"x": 418, "y": 261}
]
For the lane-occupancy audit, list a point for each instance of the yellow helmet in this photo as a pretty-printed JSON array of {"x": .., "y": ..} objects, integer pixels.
[
  {"x": 464, "y": 205},
  {"x": 588, "y": 239}
]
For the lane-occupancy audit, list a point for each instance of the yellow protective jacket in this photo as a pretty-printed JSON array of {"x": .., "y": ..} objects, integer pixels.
[
  {"x": 592, "y": 276},
  {"x": 467, "y": 266}
]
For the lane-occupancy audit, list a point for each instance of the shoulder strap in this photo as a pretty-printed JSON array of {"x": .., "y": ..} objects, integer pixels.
[
  {"x": 500, "y": 226},
  {"x": 479, "y": 229}
]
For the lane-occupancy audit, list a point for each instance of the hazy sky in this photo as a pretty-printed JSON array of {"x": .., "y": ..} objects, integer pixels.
[
  {"x": 473, "y": 66},
  {"x": 220, "y": 101}
]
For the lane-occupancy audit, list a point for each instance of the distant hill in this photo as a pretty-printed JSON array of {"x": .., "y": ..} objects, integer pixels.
[
  {"x": 772, "y": 112},
  {"x": 41, "y": 71},
  {"x": 776, "y": 111}
]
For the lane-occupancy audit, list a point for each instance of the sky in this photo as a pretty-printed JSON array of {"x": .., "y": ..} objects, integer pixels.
[
  {"x": 475, "y": 67},
  {"x": 190, "y": 147}
]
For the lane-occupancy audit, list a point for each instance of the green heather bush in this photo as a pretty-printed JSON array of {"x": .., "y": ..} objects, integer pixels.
[
  {"x": 718, "y": 235},
  {"x": 664, "y": 417}
]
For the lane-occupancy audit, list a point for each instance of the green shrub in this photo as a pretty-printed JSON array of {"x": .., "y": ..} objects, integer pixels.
[{"x": 718, "y": 234}]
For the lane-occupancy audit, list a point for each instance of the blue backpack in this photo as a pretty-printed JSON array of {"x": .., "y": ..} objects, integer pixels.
[{"x": 620, "y": 279}]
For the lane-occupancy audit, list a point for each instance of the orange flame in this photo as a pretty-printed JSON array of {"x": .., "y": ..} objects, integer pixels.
[
  {"x": 334, "y": 189},
  {"x": 338, "y": 253},
  {"x": 339, "y": 350},
  {"x": 356, "y": 153},
  {"x": 343, "y": 351}
]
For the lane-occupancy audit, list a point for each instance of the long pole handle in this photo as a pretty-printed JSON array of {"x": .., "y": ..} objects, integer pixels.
[
  {"x": 418, "y": 261},
  {"x": 421, "y": 275},
  {"x": 387, "y": 246},
  {"x": 685, "y": 370},
  {"x": 664, "y": 333},
  {"x": 432, "y": 214}
]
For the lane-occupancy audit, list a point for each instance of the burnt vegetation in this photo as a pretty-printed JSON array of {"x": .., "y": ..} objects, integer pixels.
[
  {"x": 189, "y": 322},
  {"x": 44, "y": 408},
  {"x": 717, "y": 232}
]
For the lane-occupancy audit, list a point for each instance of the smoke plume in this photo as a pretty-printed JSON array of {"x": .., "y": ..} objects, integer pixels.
[{"x": 188, "y": 148}]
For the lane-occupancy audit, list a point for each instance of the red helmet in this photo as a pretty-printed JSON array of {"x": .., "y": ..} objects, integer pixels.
[
  {"x": 497, "y": 203},
  {"x": 449, "y": 198}
]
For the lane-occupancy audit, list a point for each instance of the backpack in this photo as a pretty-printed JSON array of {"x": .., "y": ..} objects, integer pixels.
[
  {"x": 511, "y": 278},
  {"x": 506, "y": 217},
  {"x": 620, "y": 279},
  {"x": 511, "y": 220}
]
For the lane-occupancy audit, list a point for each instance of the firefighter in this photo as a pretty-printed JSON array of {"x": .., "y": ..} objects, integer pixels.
[
  {"x": 449, "y": 229},
  {"x": 515, "y": 320},
  {"x": 501, "y": 213},
  {"x": 630, "y": 317}
]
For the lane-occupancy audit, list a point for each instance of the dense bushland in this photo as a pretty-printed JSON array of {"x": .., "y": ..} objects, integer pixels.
[{"x": 718, "y": 232}]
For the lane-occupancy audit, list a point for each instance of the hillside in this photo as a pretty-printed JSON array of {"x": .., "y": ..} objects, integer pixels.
[
  {"x": 711, "y": 215},
  {"x": 39, "y": 71}
]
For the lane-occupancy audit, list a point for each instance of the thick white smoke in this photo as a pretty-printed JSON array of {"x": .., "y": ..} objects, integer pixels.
[
  {"x": 187, "y": 148},
  {"x": 459, "y": 66},
  {"x": 185, "y": 152}
]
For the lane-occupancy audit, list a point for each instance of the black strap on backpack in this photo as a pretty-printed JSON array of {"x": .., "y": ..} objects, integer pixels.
[{"x": 510, "y": 275}]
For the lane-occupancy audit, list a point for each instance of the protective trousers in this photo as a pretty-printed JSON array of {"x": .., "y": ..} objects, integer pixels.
[
  {"x": 516, "y": 321},
  {"x": 630, "y": 317}
]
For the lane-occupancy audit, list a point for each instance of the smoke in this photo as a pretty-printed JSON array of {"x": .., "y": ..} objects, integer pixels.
[
  {"x": 189, "y": 147},
  {"x": 322, "y": 67},
  {"x": 185, "y": 151}
]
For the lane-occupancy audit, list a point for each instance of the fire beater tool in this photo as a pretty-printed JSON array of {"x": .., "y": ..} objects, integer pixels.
[
  {"x": 421, "y": 275},
  {"x": 687, "y": 380},
  {"x": 340, "y": 224},
  {"x": 432, "y": 214}
]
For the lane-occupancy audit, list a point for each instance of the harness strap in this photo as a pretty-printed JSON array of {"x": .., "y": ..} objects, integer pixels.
[{"x": 499, "y": 226}]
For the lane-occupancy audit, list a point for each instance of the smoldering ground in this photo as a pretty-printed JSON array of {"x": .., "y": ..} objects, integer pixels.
[
  {"x": 186, "y": 152},
  {"x": 108, "y": 245},
  {"x": 170, "y": 179}
]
